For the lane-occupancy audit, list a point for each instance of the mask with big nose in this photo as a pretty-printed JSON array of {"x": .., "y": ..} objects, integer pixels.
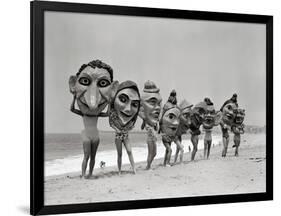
[{"x": 92, "y": 88}]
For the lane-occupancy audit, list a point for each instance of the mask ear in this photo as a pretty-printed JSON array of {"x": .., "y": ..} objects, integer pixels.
[
  {"x": 72, "y": 82},
  {"x": 114, "y": 87},
  {"x": 218, "y": 118},
  {"x": 141, "y": 112}
]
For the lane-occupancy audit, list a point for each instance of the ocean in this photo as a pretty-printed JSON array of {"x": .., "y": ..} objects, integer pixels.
[{"x": 64, "y": 152}]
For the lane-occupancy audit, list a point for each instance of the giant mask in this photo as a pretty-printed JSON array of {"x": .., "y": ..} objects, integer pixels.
[
  {"x": 211, "y": 117},
  {"x": 150, "y": 104},
  {"x": 198, "y": 114},
  {"x": 171, "y": 116},
  {"x": 170, "y": 121},
  {"x": 92, "y": 87},
  {"x": 125, "y": 105},
  {"x": 185, "y": 119},
  {"x": 238, "y": 126},
  {"x": 228, "y": 113}
]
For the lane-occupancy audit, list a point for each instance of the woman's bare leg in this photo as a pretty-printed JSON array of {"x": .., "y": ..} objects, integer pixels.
[
  {"x": 205, "y": 148},
  {"x": 176, "y": 154},
  {"x": 237, "y": 143},
  {"x": 194, "y": 140},
  {"x": 152, "y": 149},
  {"x": 168, "y": 153},
  {"x": 87, "y": 153},
  {"x": 94, "y": 148},
  {"x": 180, "y": 148},
  {"x": 225, "y": 141},
  {"x": 118, "y": 144},
  {"x": 209, "y": 144},
  {"x": 130, "y": 154}
]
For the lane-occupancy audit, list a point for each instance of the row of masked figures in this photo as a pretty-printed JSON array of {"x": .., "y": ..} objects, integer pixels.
[{"x": 94, "y": 89}]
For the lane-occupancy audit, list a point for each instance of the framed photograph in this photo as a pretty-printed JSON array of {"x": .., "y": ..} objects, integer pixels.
[{"x": 140, "y": 107}]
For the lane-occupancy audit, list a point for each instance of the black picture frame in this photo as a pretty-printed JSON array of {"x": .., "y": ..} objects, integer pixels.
[{"x": 37, "y": 106}]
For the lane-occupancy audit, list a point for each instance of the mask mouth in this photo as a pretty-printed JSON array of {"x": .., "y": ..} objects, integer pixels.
[
  {"x": 173, "y": 128},
  {"x": 209, "y": 119},
  {"x": 229, "y": 116},
  {"x": 126, "y": 115},
  {"x": 156, "y": 114},
  {"x": 239, "y": 120}
]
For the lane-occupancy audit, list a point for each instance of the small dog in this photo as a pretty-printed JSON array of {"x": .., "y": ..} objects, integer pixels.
[{"x": 102, "y": 164}]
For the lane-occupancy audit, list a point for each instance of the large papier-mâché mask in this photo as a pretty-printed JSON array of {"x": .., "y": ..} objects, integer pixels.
[
  {"x": 211, "y": 117},
  {"x": 150, "y": 104},
  {"x": 126, "y": 104},
  {"x": 238, "y": 127},
  {"x": 170, "y": 121},
  {"x": 198, "y": 113},
  {"x": 228, "y": 113},
  {"x": 185, "y": 115},
  {"x": 92, "y": 88},
  {"x": 239, "y": 117}
]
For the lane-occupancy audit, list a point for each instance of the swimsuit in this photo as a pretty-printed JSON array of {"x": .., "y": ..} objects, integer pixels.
[
  {"x": 122, "y": 136},
  {"x": 121, "y": 131},
  {"x": 151, "y": 137},
  {"x": 225, "y": 133},
  {"x": 168, "y": 139}
]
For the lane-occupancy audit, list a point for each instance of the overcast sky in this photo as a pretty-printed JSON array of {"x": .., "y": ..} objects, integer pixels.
[{"x": 197, "y": 58}]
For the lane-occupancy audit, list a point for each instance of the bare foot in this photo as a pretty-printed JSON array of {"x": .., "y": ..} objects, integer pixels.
[{"x": 83, "y": 177}]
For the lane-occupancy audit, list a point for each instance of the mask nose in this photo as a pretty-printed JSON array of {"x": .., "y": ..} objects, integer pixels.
[
  {"x": 157, "y": 108},
  {"x": 92, "y": 96},
  {"x": 127, "y": 109},
  {"x": 176, "y": 122}
]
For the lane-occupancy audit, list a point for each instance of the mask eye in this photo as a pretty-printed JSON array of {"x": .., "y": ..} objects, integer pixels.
[
  {"x": 229, "y": 107},
  {"x": 84, "y": 81},
  {"x": 103, "y": 83},
  {"x": 171, "y": 116},
  {"x": 152, "y": 101},
  {"x": 135, "y": 104},
  {"x": 123, "y": 98}
]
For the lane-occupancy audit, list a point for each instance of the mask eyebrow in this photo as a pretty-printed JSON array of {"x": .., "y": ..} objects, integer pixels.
[
  {"x": 104, "y": 77},
  {"x": 124, "y": 95},
  {"x": 83, "y": 74},
  {"x": 152, "y": 99}
]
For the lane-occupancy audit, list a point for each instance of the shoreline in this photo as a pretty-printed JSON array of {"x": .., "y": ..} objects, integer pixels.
[{"x": 72, "y": 163}]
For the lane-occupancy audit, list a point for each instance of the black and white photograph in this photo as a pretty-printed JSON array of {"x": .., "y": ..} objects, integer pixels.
[{"x": 140, "y": 108}]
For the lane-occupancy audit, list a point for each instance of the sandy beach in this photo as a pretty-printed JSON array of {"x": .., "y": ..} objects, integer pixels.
[{"x": 230, "y": 175}]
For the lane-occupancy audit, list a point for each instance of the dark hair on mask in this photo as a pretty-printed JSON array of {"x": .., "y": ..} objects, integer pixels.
[
  {"x": 99, "y": 64},
  {"x": 208, "y": 101},
  {"x": 173, "y": 97}
]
